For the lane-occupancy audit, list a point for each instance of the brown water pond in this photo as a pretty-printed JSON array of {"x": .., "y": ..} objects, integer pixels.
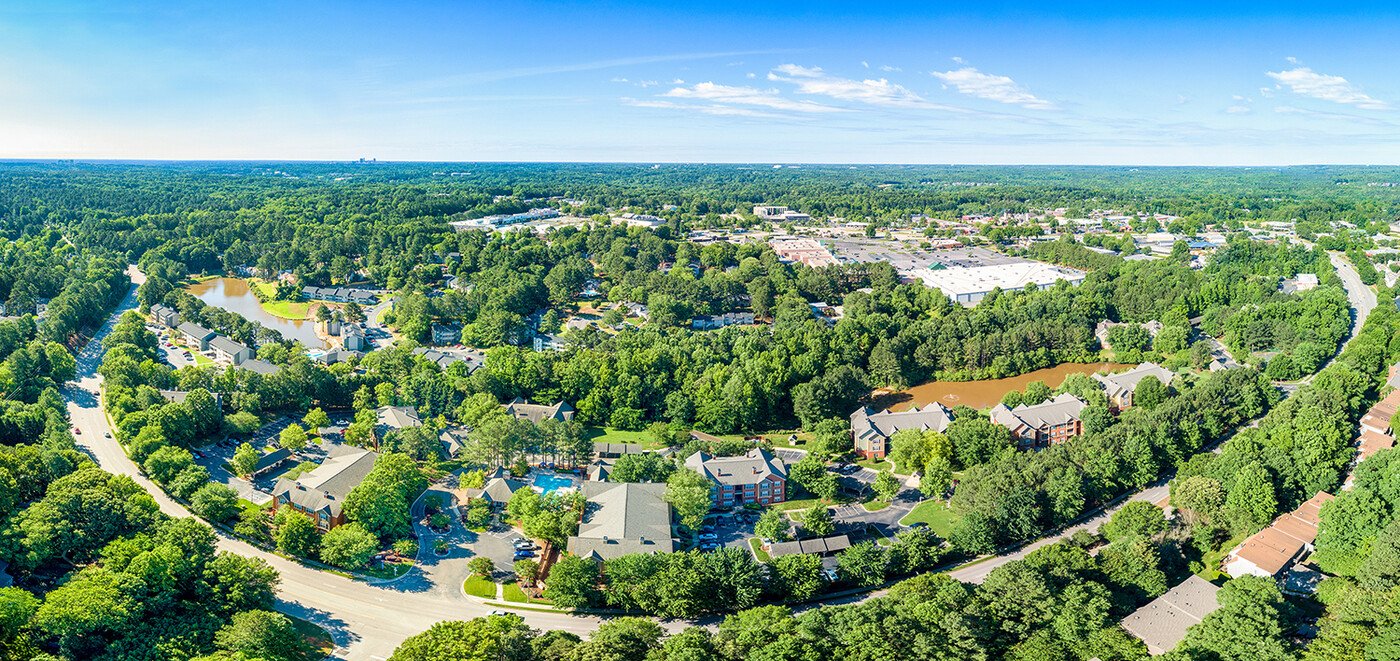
[
  {"x": 232, "y": 294},
  {"x": 982, "y": 394}
]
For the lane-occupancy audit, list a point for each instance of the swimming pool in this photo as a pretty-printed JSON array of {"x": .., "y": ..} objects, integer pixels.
[{"x": 548, "y": 483}]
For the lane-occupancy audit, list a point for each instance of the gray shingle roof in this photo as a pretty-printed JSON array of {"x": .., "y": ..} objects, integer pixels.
[
  {"x": 1163, "y": 622},
  {"x": 326, "y": 487},
  {"x": 621, "y": 519},
  {"x": 1063, "y": 409},
  {"x": 866, "y": 422},
  {"x": 195, "y": 330},
  {"x": 524, "y": 410},
  {"x": 260, "y": 366},
  {"x": 749, "y": 468},
  {"x": 1124, "y": 382},
  {"x": 397, "y": 417},
  {"x": 226, "y": 345}
]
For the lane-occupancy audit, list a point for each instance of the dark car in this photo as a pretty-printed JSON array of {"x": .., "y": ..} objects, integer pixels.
[
  {"x": 521, "y": 554},
  {"x": 917, "y": 525}
]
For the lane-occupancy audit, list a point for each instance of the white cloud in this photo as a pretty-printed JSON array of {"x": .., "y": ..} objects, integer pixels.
[
  {"x": 1002, "y": 89},
  {"x": 874, "y": 92},
  {"x": 751, "y": 75},
  {"x": 958, "y": 60},
  {"x": 1291, "y": 59},
  {"x": 750, "y": 96},
  {"x": 1237, "y": 110},
  {"x": 865, "y": 64},
  {"x": 619, "y": 80},
  {"x": 890, "y": 68},
  {"x": 677, "y": 81},
  {"x": 798, "y": 71},
  {"x": 1337, "y": 89},
  {"x": 713, "y": 109},
  {"x": 646, "y": 83}
]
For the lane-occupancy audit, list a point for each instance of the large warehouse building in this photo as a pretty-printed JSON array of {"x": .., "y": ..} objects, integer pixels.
[{"x": 968, "y": 285}]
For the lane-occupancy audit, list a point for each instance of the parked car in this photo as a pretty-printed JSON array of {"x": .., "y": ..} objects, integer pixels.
[
  {"x": 498, "y": 613},
  {"x": 709, "y": 546},
  {"x": 708, "y": 537},
  {"x": 524, "y": 544},
  {"x": 830, "y": 575},
  {"x": 77, "y": 431},
  {"x": 917, "y": 525},
  {"x": 522, "y": 554}
]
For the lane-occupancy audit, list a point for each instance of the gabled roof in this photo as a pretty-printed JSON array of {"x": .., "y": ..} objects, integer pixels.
[
  {"x": 195, "y": 330},
  {"x": 272, "y": 459},
  {"x": 524, "y": 410},
  {"x": 1272, "y": 548},
  {"x": 1162, "y": 623},
  {"x": 749, "y": 468},
  {"x": 1061, "y": 410},
  {"x": 500, "y": 489},
  {"x": 226, "y": 345},
  {"x": 1126, "y": 382},
  {"x": 397, "y": 417},
  {"x": 621, "y": 519},
  {"x": 326, "y": 487},
  {"x": 453, "y": 438},
  {"x": 260, "y": 366},
  {"x": 865, "y": 422}
]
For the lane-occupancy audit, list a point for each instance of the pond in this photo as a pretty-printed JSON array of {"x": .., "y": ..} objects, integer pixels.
[
  {"x": 982, "y": 394},
  {"x": 233, "y": 294}
]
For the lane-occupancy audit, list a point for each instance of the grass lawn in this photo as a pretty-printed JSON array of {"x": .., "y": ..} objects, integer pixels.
[
  {"x": 877, "y": 464},
  {"x": 201, "y": 359},
  {"x": 610, "y": 435},
  {"x": 480, "y": 587},
  {"x": 317, "y": 640},
  {"x": 935, "y": 513},
  {"x": 1211, "y": 561},
  {"x": 874, "y": 505},
  {"x": 875, "y": 535},
  {"x": 758, "y": 550},
  {"x": 513, "y": 593},
  {"x": 809, "y": 503},
  {"x": 287, "y": 309}
]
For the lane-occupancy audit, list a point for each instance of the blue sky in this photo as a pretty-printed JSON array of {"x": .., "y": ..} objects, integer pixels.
[{"x": 925, "y": 82}]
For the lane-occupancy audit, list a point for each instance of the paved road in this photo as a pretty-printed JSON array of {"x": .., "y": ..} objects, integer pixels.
[{"x": 367, "y": 621}]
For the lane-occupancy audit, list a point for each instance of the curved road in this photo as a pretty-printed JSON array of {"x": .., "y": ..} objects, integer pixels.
[{"x": 369, "y": 621}]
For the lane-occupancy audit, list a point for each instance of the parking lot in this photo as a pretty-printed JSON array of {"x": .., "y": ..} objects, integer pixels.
[
  {"x": 171, "y": 355},
  {"x": 907, "y": 255}
]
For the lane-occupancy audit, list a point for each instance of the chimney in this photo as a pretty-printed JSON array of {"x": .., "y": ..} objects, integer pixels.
[
  {"x": 327, "y": 494},
  {"x": 641, "y": 539},
  {"x": 605, "y": 539}
]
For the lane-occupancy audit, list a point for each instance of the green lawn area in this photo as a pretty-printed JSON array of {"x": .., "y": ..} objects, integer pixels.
[
  {"x": 610, "y": 435},
  {"x": 758, "y": 550},
  {"x": 877, "y": 464},
  {"x": 1211, "y": 561},
  {"x": 287, "y": 309},
  {"x": 201, "y": 359},
  {"x": 513, "y": 593},
  {"x": 875, "y": 535},
  {"x": 874, "y": 505},
  {"x": 935, "y": 513},
  {"x": 319, "y": 643},
  {"x": 480, "y": 587}
]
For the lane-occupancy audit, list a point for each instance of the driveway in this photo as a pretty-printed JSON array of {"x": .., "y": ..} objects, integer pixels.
[{"x": 854, "y": 517}]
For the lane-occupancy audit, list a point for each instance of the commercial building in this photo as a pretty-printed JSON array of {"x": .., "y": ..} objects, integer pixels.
[
  {"x": 793, "y": 249},
  {"x": 524, "y": 410},
  {"x": 753, "y": 477},
  {"x": 1162, "y": 623},
  {"x": 1119, "y": 388},
  {"x": 871, "y": 430},
  {"x": 1270, "y": 551},
  {"x": 774, "y": 214},
  {"x": 320, "y": 494},
  {"x": 1055, "y": 421},
  {"x": 622, "y": 519},
  {"x": 968, "y": 285},
  {"x": 642, "y": 220}
]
